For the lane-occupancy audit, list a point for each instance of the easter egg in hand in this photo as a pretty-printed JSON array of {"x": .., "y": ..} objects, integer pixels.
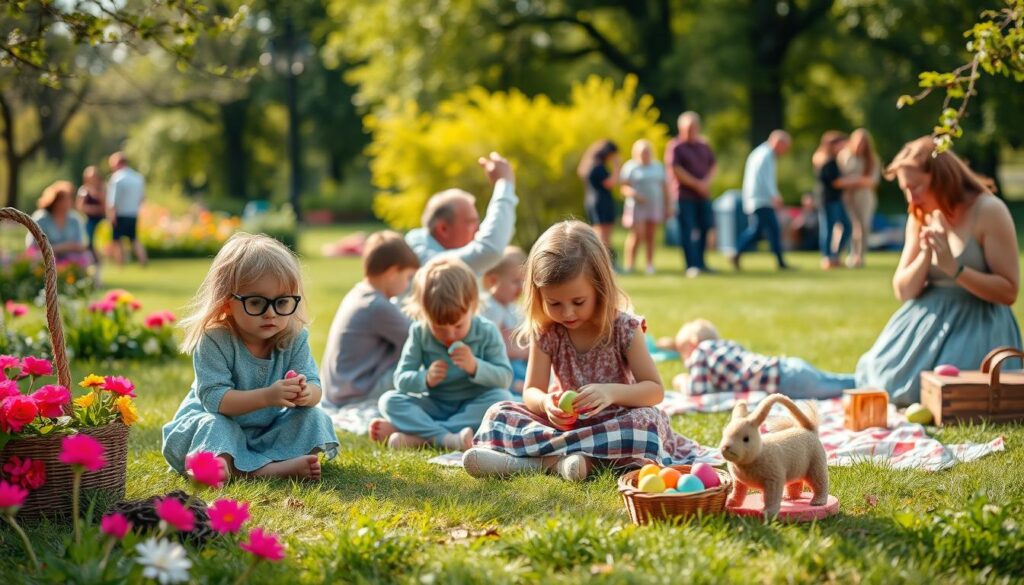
[
  {"x": 706, "y": 474},
  {"x": 689, "y": 484},
  {"x": 290, "y": 374},
  {"x": 455, "y": 345},
  {"x": 947, "y": 370},
  {"x": 919, "y": 414},
  {"x": 565, "y": 402},
  {"x": 649, "y": 469},
  {"x": 670, "y": 476},
  {"x": 651, "y": 484}
]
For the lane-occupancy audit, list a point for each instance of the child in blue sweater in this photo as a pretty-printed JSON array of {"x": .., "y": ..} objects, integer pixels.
[{"x": 454, "y": 365}]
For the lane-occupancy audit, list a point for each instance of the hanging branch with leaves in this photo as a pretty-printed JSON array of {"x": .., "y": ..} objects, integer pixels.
[{"x": 996, "y": 44}]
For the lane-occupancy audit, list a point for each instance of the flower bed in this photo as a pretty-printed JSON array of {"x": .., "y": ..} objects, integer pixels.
[
  {"x": 22, "y": 279},
  {"x": 195, "y": 234}
]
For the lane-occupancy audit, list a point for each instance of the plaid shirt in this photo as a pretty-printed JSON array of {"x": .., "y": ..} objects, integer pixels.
[{"x": 720, "y": 365}]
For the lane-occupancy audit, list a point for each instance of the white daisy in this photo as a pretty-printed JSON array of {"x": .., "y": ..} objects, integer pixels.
[{"x": 163, "y": 560}]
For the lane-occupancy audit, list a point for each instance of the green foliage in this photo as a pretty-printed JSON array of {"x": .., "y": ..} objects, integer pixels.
[
  {"x": 22, "y": 279},
  {"x": 416, "y": 154},
  {"x": 280, "y": 224}
]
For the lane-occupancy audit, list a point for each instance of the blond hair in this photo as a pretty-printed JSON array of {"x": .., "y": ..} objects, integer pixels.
[
  {"x": 243, "y": 260},
  {"x": 443, "y": 291},
  {"x": 566, "y": 250},
  {"x": 385, "y": 249},
  {"x": 513, "y": 259},
  {"x": 695, "y": 332}
]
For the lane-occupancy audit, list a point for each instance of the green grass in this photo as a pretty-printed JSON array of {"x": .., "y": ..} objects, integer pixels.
[{"x": 387, "y": 516}]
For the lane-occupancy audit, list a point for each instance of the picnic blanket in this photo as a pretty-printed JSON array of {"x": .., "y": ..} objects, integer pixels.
[
  {"x": 355, "y": 417},
  {"x": 903, "y": 445}
]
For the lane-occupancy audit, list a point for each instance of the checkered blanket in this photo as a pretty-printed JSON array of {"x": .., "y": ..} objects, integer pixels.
[{"x": 903, "y": 445}]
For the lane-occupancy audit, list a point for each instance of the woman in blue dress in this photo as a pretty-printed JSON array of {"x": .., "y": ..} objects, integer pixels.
[{"x": 958, "y": 276}]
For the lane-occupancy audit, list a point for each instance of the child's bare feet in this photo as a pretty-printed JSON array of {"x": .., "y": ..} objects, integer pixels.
[
  {"x": 302, "y": 467},
  {"x": 380, "y": 429},
  {"x": 460, "y": 441},
  {"x": 404, "y": 441}
]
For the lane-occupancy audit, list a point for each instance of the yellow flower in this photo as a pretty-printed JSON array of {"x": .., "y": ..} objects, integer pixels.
[
  {"x": 87, "y": 400},
  {"x": 125, "y": 298},
  {"x": 127, "y": 408},
  {"x": 92, "y": 381}
]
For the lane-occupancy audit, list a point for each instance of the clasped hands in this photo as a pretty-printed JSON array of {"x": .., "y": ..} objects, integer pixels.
[
  {"x": 933, "y": 239},
  {"x": 591, "y": 399}
]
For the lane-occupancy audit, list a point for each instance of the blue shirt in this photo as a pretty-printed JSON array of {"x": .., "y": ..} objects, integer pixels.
[
  {"x": 759, "y": 183},
  {"x": 493, "y": 369}
]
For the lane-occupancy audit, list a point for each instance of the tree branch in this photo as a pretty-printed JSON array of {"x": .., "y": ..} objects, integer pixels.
[
  {"x": 602, "y": 44},
  {"x": 57, "y": 128}
]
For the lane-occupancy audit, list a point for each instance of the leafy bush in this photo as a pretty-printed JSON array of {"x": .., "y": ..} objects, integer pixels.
[
  {"x": 416, "y": 154},
  {"x": 280, "y": 225},
  {"x": 22, "y": 279}
]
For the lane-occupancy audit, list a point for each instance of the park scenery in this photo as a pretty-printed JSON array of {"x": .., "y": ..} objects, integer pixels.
[{"x": 511, "y": 292}]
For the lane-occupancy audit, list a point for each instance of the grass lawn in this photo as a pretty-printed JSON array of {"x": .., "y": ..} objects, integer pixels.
[{"x": 381, "y": 516}]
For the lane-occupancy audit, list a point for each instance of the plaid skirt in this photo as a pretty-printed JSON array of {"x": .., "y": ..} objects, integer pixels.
[{"x": 618, "y": 436}]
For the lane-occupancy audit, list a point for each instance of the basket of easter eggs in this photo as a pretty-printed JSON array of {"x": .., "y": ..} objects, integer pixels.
[{"x": 674, "y": 491}]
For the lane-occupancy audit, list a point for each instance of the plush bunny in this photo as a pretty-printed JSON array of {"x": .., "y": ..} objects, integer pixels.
[{"x": 785, "y": 458}]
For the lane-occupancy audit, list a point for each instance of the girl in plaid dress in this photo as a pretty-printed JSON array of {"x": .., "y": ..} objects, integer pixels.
[{"x": 577, "y": 329}]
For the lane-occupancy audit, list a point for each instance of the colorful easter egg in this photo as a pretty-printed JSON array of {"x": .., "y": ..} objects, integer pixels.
[
  {"x": 689, "y": 484},
  {"x": 565, "y": 402},
  {"x": 290, "y": 374},
  {"x": 919, "y": 414},
  {"x": 649, "y": 469},
  {"x": 670, "y": 476},
  {"x": 671, "y": 491},
  {"x": 455, "y": 345},
  {"x": 651, "y": 484},
  {"x": 947, "y": 370},
  {"x": 706, "y": 474}
]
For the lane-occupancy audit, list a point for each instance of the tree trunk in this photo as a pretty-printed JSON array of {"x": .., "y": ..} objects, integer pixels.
[
  {"x": 49, "y": 126},
  {"x": 233, "y": 117},
  {"x": 13, "y": 180},
  {"x": 766, "y": 103}
]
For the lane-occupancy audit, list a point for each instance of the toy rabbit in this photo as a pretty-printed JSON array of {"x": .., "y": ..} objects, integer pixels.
[{"x": 786, "y": 458}]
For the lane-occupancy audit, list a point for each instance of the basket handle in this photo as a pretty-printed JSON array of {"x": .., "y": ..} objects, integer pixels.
[
  {"x": 995, "y": 392},
  {"x": 53, "y": 322},
  {"x": 986, "y": 364}
]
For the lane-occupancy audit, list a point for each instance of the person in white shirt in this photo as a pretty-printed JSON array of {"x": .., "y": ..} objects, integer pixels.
[{"x": 125, "y": 194}]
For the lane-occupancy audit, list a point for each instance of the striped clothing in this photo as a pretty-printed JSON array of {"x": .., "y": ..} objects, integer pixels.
[{"x": 720, "y": 365}]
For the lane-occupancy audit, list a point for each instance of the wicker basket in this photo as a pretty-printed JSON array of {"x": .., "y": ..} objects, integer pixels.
[
  {"x": 54, "y": 497},
  {"x": 644, "y": 507}
]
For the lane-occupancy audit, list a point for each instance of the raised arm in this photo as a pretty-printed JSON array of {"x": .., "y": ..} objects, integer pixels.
[{"x": 499, "y": 222}]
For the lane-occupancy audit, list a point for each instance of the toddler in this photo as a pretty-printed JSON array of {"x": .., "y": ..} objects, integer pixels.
[
  {"x": 245, "y": 332},
  {"x": 453, "y": 366},
  {"x": 502, "y": 286},
  {"x": 721, "y": 365},
  {"x": 578, "y": 330}
]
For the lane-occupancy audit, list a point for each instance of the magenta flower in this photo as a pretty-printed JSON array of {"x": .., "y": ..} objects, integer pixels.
[
  {"x": 116, "y": 294},
  {"x": 119, "y": 385},
  {"x": 176, "y": 514},
  {"x": 9, "y": 362},
  {"x": 11, "y": 497},
  {"x": 227, "y": 516},
  {"x": 16, "y": 412},
  {"x": 51, "y": 400},
  {"x": 15, "y": 309},
  {"x": 8, "y": 388},
  {"x": 205, "y": 468},
  {"x": 83, "y": 451},
  {"x": 263, "y": 545},
  {"x": 26, "y": 473},
  {"x": 115, "y": 525},
  {"x": 31, "y": 366}
]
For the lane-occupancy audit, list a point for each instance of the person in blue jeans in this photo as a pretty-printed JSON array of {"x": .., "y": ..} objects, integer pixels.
[
  {"x": 832, "y": 211},
  {"x": 761, "y": 196},
  {"x": 454, "y": 365},
  {"x": 722, "y": 365},
  {"x": 691, "y": 166}
]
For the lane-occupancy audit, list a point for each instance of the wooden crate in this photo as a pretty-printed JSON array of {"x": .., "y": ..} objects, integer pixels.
[
  {"x": 981, "y": 395},
  {"x": 865, "y": 408}
]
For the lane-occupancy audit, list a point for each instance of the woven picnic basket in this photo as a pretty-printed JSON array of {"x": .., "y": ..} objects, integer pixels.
[
  {"x": 644, "y": 507},
  {"x": 53, "y": 498}
]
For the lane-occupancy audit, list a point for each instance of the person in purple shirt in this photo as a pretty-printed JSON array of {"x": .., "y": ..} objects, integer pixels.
[{"x": 691, "y": 167}]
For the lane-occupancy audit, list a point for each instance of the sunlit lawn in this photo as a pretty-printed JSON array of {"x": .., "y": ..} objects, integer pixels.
[{"x": 386, "y": 516}]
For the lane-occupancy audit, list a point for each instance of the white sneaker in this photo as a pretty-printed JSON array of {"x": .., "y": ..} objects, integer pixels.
[
  {"x": 650, "y": 269},
  {"x": 480, "y": 462},
  {"x": 692, "y": 272},
  {"x": 575, "y": 467}
]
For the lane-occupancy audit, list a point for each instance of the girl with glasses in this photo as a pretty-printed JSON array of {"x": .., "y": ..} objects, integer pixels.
[{"x": 246, "y": 332}]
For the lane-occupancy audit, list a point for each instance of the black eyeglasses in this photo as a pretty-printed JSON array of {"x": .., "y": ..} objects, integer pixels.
[{"x": 256, "y": 305}]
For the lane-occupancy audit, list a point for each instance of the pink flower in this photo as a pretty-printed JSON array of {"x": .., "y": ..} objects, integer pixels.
[
  {"x": 26, "y": 473},
  {"x": 115, "y": 525},
  {"x": 51, "y": 400},
  {"x": 205, "y": 468},
  {"x": 263, "y": 545},
  {"x": 176, "y": 514},
  {"x": 82, "y": 450},
  {"x": 15, "y": 309},
  {"x": 102, "y": 307},
  {"x": 135, "y": 305},
  {"x": 16, "y": 412},
  {"x": 8, "y": 388},
  {"x": 11, "y": 497},
  {"x": 9, "y": 362},
  {"x": 119, "y": 385},
  {"x": 227, "y": 516},
  {"x": 154, "y": 320},
  {"x": 115, "y": 294},
  {"x": 36, "y": 367}
]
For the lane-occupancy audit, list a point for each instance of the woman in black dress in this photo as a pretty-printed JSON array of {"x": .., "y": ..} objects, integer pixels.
[{"x": 598, "y": 182}]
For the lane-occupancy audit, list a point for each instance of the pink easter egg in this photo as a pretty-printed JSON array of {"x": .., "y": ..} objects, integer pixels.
[
  {"x": 706, "y": 474},
  {"x": 290, "y": 374},
  {"x": 947, "y": 370}
]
